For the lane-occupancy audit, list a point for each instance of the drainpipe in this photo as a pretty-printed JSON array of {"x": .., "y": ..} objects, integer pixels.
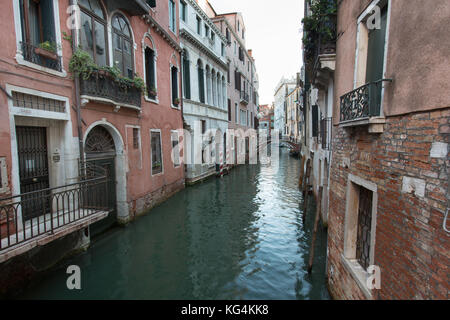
[{"x": 74, "y": 36}]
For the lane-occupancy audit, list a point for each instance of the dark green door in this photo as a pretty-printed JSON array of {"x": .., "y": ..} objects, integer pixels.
[{"x": 375, "y": 62}]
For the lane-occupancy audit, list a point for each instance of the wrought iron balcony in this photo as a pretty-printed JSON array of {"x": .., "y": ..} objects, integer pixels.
[
  {"x": 104, "y": 89},
  {"x": 41, "y": 57},
  {"x": 244, "y": 97},
  {"x": 325, "y": 133},
  {"x": 49, "y": 211},
  {"x": 363, "y": 102}
]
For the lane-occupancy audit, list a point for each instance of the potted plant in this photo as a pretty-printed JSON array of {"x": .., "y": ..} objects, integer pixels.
[
  {"x": 176, "y": 101},
  {"x": 47, "y": 49},
  {"x": 152, "y": 92}
]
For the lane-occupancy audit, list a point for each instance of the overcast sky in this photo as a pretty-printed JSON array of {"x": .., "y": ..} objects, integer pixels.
[{"x": 273, "y": 32}]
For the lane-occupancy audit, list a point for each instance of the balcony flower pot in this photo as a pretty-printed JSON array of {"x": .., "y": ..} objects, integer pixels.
[
  {"x": 152, "y": 92},
  {"x": 46, "y": 54},
  {"x": 176, "y": 102}
]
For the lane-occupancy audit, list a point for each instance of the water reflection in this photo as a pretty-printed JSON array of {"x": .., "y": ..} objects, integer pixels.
[{"x": 240, "y": 237}]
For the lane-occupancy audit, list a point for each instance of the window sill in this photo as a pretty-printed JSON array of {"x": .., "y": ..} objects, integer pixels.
[
  {"x": 156, "y": 101},
  {"x": 175, "y": 107},
  {"x": 158, "y": 174},
  {"x": 21, "y": 61},
  {"x": 376, "y": 124},
  {"x": 359, "y": 274}
]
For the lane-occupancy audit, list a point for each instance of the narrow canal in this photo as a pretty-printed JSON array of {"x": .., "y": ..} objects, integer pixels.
[{"x": 240, "y": 237}]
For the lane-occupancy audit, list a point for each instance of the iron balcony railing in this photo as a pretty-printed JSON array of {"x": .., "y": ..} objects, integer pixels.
[
  {"x": 363, "y": 102},
  {"x": 109, "y": 90},
  {"x": 53, "y": 208},
  {"x": 41, "y": 57},
  {"x": 244, "y": 97},
  {"x": 325, "y": 133}
]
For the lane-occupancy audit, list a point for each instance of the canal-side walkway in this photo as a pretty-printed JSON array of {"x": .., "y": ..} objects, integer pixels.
[{"x": 239, "y": 237}]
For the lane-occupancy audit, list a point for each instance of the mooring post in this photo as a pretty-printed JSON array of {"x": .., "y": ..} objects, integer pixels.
[
  {"x": 306, "y": 190},
  {"x": 302, "y": 173},
  {"x": 316, "y": 226}
]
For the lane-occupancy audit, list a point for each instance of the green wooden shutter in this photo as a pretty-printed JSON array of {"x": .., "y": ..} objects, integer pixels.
[
  {"x": 375, "y": 62},
  {"x": 187, "y": 78},
  {"x": 315, "y": 120}
]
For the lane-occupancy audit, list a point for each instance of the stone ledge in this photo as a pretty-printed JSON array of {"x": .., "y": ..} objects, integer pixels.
[{"x": 376, "y": 124}]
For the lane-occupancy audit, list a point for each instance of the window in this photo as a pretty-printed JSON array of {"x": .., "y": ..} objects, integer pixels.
[
  {"x": 236, "y": 113},
  {"x": 370, "y": 54},
  {"x": 174, "y": 77},
  {"x": 237, "y": 80},
  {"x": 206, "y": 30},
  {"x": 243, "y": 34},
  {"x": 235, "y": 46},
  {"x": 228, "y": 73},
  {"x": 222, "y": 49},
  {"x": 183, "y": 10},
  {"x": 239, "y": 25},
  {"x": 186, "y": 76},
  {"x": 201, "y": 82},
  {"x": 93, "y": 31},
  {"x": 122, "y": 46},
  {"x": 243, "y": 117},
  {"x": 315, "y": 120},
  {"x": 213, "y": 36},
  {"x": 364, "y": 227},
  {"x": 157, "y": 164},
  {"x": 172, "y": 12},
  {"x": 227, "y": 32},
  {"x": 199, "y": 25},
  {"x": 360, "y": 227},
  {"x": 38, "y": 26},
  {"x": 203, "y": 126},
  {"x": 136, "y": 138},
  {"x": 229, "y": 110},
  {"x": 175, "y": 149},
  {"x": 150, "y": 73}
]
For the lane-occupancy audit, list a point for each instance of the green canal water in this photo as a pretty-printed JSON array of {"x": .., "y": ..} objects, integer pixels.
[{"x": 240, "y": 237}]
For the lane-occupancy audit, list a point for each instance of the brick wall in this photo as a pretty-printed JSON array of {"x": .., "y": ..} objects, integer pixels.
[{"x": 411, "y": 248}]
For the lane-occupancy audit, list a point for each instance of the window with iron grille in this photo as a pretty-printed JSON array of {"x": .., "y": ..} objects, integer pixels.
[
  {"x": 364, "y": 227},
  {"x": 136, "y": 138},
  {"x": 157, "y": 165},
  {"x": 28, "y": 101}
]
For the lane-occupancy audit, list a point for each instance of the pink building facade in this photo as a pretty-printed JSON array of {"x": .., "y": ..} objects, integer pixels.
[{"x": 53, "y": 123}]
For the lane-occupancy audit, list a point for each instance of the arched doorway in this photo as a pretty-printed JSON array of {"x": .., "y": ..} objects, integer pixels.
[{"x": 100, "y": 151}]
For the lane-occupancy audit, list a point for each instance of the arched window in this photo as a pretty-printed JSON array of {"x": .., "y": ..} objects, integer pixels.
[
  {"x": 93, "y": 31},
  {"x": 186, "y": 75},
  {"x": 122, "y": 46},
  {"x": 201, "y": 82}
]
